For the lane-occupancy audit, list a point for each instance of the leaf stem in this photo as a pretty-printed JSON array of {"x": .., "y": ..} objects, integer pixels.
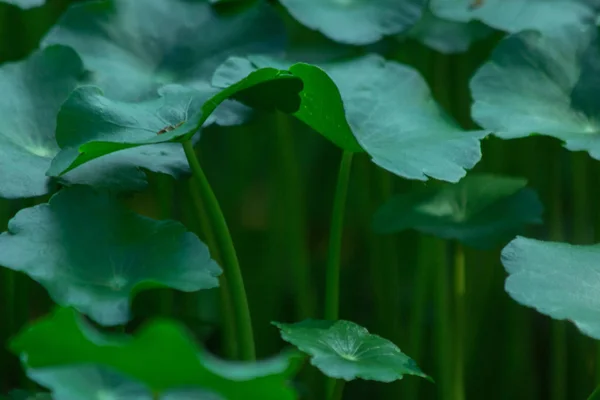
[
  {"x": 460, "y": 320},
  {"x": 227, "y": 251},
  {"x": 442, "y": 318},
  {"x": 338, "y": 390},
  {"x": 332, "y": 284}
]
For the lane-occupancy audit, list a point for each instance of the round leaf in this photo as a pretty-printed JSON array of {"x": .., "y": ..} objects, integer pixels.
[
  {"x": 161, "y": 355},
  {"x": 409, "y": 135},
  {"x": 357, "y": 22},
  {"x": 33, "y": 91},
  {"x": 92, "y": 253},
  {"x": 557, "y": 279},
  {"x": 345, "y": 350},
  {"x": 130, "y": 58},
  {"x": 480, "y": 210},
  {"x": 517, "y": 15},
  {"x": 542, "y": 84},
  {"x": 92, "y": 126}
]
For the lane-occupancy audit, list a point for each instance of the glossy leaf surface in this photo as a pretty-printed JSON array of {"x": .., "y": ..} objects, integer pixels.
[
  {"x": 345, "y": 350},
  {"x": 356, "y": 22},
  {"x": 557, "y": 279},
  {"x": 90, "y": 252}
]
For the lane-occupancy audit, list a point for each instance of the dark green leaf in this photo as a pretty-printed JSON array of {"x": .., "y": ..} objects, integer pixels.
[
  {"x": 134, "y": 47},
  {"x": 557, "y": 279},
  {"x": 517, "y": 15},
  {"x": 33, "y": 91},
  {"x": 162, "y": 355},
  {"x": 357, "y": 22},
  {"x": 542, "y": 84},
  {"x": 480, "y": 210},
  {"x": 345, "y": 350},
  {"x": 409, "y": 135},
  {"x": 92, "y": 126},
  {"x": 92, "y": 253}
]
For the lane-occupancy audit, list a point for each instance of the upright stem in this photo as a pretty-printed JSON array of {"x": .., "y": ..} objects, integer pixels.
[
  {"x": 443, "y": 328},
  {"x": 332, "y": 285},
  {"x": 231, "y": 265},
  {"x": 338, "y": 390},
  {"x": 230, "y": 348},
  {"x": 460, "y": 319}
]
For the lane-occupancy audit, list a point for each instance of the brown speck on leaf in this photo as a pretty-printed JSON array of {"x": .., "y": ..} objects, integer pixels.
[
  {"x": 170, "y": 128},
  {"x": 476, "y": 4}
]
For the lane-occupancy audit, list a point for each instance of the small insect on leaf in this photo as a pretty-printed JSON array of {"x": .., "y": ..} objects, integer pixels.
[{"x": 170, "y": 128}]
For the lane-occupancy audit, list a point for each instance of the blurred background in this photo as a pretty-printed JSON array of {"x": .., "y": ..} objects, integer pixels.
[{"x": 393, "y": 285}]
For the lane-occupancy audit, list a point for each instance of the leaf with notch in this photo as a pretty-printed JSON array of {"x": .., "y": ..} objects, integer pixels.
[
  {"x": 345, "y": 350},
  {"x": 161, "y": 354},
  {"x": 480, "y": 211},
  {"x": 557, "y": 279},
  {"x": 130, "y": 58},
  {"x": 90, "y": 252}
]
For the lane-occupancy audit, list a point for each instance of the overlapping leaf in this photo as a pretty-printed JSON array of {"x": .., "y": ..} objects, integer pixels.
[
  {"x": 134, "y": 47},
  {"x": 92, "y": 253},
  {"x": 544, "y": 84},
  {"x": 92, "y": 126},
  {"x": 356, "y": 22},
  {"x": 558, "y": 279},
  {"x": 161, "y": 355},
  {"x": 32, "y": 92},
  {"x": 518, "y": 15},
  {"x": 345, "y": 350},
  {"x": 391, "y": 113},
  {"x": 480, "y": 210}
]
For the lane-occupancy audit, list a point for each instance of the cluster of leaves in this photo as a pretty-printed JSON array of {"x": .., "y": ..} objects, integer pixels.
[{"x": 107, "y": 96}]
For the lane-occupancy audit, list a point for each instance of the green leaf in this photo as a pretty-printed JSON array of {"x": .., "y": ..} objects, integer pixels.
[
  {"x": 356, "y": 22},
  {"x": 517, "y": 15},
  {"x": 33, "y": 91},
  {"x": 411, "y": 136},
  {"x": 130, "y": 58},
  {"x": 542, "y": 84},
  {"x": 94, "y": 254},
  {"x": 480, "y": 211},
  {"x": 92, "y": 126},
  {"x": 345, "y": 350},
  {"x": 25, "y": 395},
  {"x": 161, "y": 355},
  {"x": 557, "y": 279},
  {"x": 97, "y": 382},
  {"x": 447, "y": 36},
  {"x": 25, "y": 4}
]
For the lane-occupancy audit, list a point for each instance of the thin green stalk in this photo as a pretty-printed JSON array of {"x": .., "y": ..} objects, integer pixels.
[
  {"x": 460, "y": 291},
  {"x": 294, "y": 226},
  {"x": 595, "y": 395},
  {"x": 164, "y": 195},
  {"x": 230, "y": 348},
  {"x": 332, "y": 284},
  {"x": 231, "y": 265},
  {"x": 422, "y": 284},
  {"x": 443, "y": 328},
  {"x": 558, "y": 355},
  {"x": 338, "y": 390}
]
